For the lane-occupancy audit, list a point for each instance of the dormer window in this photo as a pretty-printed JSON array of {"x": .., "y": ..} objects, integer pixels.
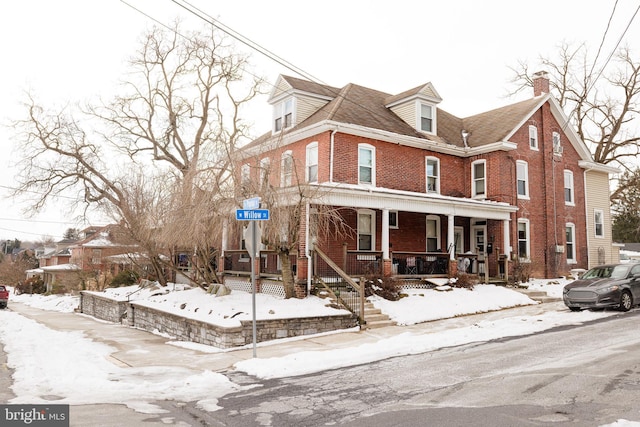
[
  {"x": 426, "y": 118},
  {"x": 283, "y": 115}
]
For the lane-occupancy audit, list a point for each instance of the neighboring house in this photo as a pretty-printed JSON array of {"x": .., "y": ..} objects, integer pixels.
[
  {"x": 75, "y": 264},
  {"x": 415, "y": 182},
  {"x": 91, "y": 253}
]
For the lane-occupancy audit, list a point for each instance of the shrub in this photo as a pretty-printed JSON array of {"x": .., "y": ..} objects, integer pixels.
[
  {"x": 384, "y": 287},
  {"x": 463, "y": 280},
  {"x": 33, "y": 285},
  {"x": 520, "y": 273},
  {"x": 124, "y": 278}
]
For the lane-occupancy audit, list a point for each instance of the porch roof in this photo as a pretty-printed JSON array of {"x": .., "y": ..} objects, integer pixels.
[{"x": 357, "y": 196}]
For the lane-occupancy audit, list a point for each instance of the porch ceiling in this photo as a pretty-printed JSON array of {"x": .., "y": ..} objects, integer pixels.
[{"x": 382, "y": 198}]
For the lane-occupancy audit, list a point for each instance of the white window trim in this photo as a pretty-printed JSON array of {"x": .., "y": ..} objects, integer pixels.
[
  {"x": 473, "y": 179},
  {"x": 572, "y": 202},
  {"x": 527, "y": 224},
  {"x": 571, "y": 257},
  {"x": 286, "y": 177},
  {"x": 557, "y": 146},
  {"x": 373, "y": 227},
  {"x": 311, "y": 146},
  {"x": 279, "y": 113},
  {"x": 373, "y": 164},
  {"x": 265, "y": 166},
  {"x": 435, "y": 218},
  {"x": 524, "y": 164},
  {"x": 601, "y": 212},
  {"x": 434, "y": 121},
  {"x": 533, "y": 134},
  {"x": 397, "y": 224},
  {"x": 437, "y": 176},
  {"x": 245, "y": 174}
]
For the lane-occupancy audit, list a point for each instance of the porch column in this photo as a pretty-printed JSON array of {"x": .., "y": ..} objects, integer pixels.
[
  {"x": 385, "y": 233},
  {"x": 507, "y": 248},
  {"x": 386, "y": 257},
  {"x": 451, "y": 247},
  {"x": 507, "y": 242},
  {"x": 224, "y": 245}
]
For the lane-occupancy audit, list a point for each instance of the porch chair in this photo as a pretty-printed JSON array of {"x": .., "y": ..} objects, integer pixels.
[{"x": 411, "y": 265}]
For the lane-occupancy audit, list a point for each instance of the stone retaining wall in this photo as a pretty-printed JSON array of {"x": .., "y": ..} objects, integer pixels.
[
  {"x": 185, "y": 329},
  {"x": 102, "y": 308}
]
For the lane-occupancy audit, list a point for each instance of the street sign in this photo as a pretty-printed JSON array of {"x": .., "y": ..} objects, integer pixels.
[
  {"x": 252, "y": 214},
  {"x": 251, "y": 204}
]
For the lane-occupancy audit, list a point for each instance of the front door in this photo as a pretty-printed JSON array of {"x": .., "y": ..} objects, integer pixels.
[{"x": 478, "y": 241}]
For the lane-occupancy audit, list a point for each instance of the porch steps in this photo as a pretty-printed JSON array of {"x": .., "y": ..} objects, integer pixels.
[
  {"x": 375, "y": 318},
  {"x": 540, "y": 296}
]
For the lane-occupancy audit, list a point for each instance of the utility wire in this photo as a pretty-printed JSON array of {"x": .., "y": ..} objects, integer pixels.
[{"x": 244, "y": 40}]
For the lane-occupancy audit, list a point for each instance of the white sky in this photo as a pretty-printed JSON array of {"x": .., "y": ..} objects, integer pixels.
[{"x": 72, "y": 50}]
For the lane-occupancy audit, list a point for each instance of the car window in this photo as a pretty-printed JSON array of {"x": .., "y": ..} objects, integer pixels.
[
  {"x": 635, "y": 269},
  {"x": 619, "y": 272}
]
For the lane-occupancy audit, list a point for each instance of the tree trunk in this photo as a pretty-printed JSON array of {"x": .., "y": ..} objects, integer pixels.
[{"x": 287, "y": 274}]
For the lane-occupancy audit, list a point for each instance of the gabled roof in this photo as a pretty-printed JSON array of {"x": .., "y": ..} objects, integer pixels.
[{"x": 369, "y": 109}]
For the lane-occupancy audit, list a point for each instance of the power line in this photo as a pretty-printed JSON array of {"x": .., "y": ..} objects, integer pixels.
[{"x": 245, "y": 40}]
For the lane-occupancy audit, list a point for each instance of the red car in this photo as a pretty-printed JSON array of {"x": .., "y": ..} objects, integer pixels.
[{"x": 4, "y": 296}]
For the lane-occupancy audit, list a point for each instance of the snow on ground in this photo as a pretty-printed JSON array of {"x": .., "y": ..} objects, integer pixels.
[{"x": 47, "y": 362}]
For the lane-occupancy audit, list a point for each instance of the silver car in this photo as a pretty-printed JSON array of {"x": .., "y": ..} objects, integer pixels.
[{"x": 612, "y": 285}]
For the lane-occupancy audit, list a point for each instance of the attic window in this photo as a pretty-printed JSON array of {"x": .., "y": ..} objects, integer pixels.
[
  {"x": 427, "y": 118},
  {"x": 283, "y": 115}
]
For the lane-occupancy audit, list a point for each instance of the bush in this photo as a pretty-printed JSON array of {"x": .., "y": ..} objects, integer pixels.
[
  {"x": 467, "y": 281},
  {"x": 384, "y": 287},
  {"x": 520, "y": 273},
  {"x": 124, "y": 278},
  {"x": 33, "y": 285}
]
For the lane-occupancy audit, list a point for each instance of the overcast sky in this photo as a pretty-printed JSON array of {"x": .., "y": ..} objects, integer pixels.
[{"x": 65, "y": 51}]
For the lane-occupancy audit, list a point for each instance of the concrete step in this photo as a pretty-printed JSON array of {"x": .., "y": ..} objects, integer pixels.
[
  {"x": 540, "y": 296},
  {"x": 379, "y": 324}
]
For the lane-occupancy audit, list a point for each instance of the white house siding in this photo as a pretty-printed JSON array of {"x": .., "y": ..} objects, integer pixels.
[
  {"x": 406, "y": 112},
  {"x": 597, "y": 189},
  {"x": 306, "y": 106}
]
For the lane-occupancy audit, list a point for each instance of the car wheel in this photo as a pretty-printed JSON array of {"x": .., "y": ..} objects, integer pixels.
[
  {"x": 625, "y": 301},
  {"x": 574, "y": 308}
]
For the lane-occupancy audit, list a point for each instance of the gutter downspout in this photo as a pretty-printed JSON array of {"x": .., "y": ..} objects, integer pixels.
[
  {"x": 331, "y": 155},
  {"x": 306, "y": 246},
  {"x": 586, "y": 220}
]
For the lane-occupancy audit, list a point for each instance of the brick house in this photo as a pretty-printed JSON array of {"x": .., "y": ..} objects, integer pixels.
[{"x": 423, "y": 189}]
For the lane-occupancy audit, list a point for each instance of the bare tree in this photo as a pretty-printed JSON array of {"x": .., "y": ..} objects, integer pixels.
[
  {"x": 289, "y": 204},
  {"x": 602, "y": 106},
  {"x": 177, "y": 116}
]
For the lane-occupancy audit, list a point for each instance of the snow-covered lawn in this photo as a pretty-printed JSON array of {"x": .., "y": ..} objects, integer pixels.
[{"x": 75, "y": 368}]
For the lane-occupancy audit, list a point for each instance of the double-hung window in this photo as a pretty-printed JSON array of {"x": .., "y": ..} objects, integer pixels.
[
  {"x": 433, "y": 175},
  {"x": 286, "y": 169},
  {"x": 245, "y": 175},
  {"x": 571, "y": 243},
  {"x": 522, "y": 172},
  {"x": 433, "y": 233},
  {"x": 523, "y": 239},
  {"x": 312, "y": 162},
  {"x": 569, "y": 196},
  {"x": 557, "y": 145},
  {"x": 283, "y": 115},
  {"x": 533, "y": 137},
  {"x": 426, "y": 118},
  {"x": 265, "y": 164},
  {"x": 478, "y": 177},
  {"x": 598, "y": 222},
  {"x": 366, "y": 164},
  {"x": 366, "y": 230}
]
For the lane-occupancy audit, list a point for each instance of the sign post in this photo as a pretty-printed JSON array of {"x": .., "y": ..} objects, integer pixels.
[{"x": 252, "y": 237}]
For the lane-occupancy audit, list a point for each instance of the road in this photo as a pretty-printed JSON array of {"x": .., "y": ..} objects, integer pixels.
[
  {"x": 587, "y": 375},
  {"x": 583, "y": 375}
]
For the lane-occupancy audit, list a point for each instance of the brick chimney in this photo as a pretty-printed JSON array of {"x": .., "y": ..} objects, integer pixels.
[{"x": 540, "y": 83}]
